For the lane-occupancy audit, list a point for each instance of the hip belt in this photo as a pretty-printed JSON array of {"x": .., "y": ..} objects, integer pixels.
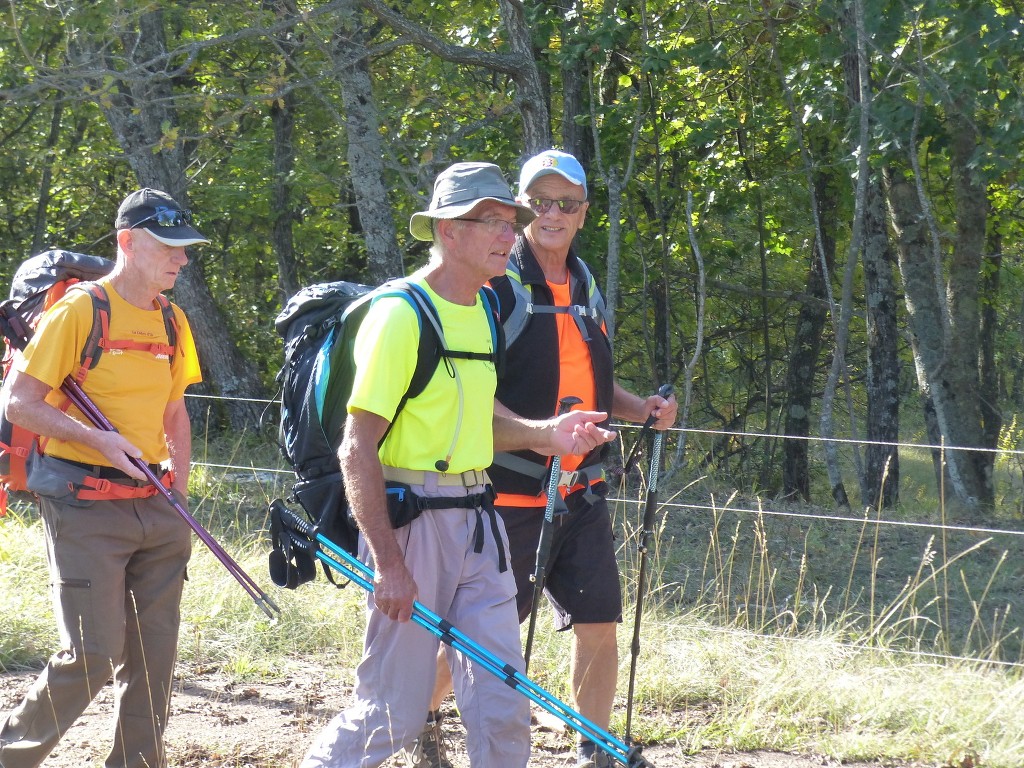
[
  {"x": 404, "y": 505},
  {"x": 94, "y": 482}
]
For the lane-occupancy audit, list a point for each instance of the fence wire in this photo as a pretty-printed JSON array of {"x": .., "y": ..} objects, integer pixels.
[{"x": 739, "y": 527}]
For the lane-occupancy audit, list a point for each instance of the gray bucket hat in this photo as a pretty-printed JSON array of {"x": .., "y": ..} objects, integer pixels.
[{"x": 461, "y": 187}]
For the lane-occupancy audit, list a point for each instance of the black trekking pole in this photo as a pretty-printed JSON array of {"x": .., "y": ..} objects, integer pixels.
[
  {"x": 646, "y": 534},
  {"x": 544, "y": 542},
  {"x": 19, "y": 334},
  {"x": 304, "y": 535},
  {"x": 665, "y": 391}
]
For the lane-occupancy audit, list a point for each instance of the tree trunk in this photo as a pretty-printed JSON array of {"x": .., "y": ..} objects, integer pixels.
[
  {"x": 882, "y": 463},
  {"x": 962, "y": 374},
  {"x": 530, "y": 93},
  {"x": 881, "y": 470},
  {"x": 576, "y": 138},
  {"x": 930, "y": 340},
  {"x": 138, "y": 113},
  {"x": 282, "y": 115},
  {"x": 366, "y": 155},
  {"x": 989, "y": 387},
  {"x": 800, "y": 374}
]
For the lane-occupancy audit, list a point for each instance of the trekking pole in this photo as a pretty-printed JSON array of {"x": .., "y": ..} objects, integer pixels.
[
  {"x": 544, "y": 542},
  {"x": 74, "y": 392},
  {"x": 665, "y": 391},
  {"x": 646, "y": 534},
  {"x": 18, "y": 334},
  {"x": 360, "y": 573}
]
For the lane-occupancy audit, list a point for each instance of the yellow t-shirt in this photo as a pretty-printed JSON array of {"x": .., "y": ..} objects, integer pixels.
[
  {"x": 131, "y": 387},
  {"x": 451, "y": 409}
]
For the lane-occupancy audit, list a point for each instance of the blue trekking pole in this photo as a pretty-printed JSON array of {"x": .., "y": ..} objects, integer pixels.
[
  {"x": 544, "y": 543},
  {"x": 305, "y": 536},
  {"x": 646, "y": 534}
]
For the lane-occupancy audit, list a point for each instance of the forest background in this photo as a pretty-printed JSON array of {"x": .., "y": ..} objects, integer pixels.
[{"x": 803, "y": 215}]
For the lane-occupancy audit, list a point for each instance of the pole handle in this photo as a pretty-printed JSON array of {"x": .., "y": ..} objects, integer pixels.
[{"x": 664, "y": 391}]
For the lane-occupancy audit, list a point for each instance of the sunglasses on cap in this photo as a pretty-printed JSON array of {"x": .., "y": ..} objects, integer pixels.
[
  {"x": 543, "y": 204},
  {"x": 166, "y": 217}
]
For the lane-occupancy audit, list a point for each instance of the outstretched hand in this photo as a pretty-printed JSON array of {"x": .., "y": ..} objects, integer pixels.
[{"x": 578, "y": 433}]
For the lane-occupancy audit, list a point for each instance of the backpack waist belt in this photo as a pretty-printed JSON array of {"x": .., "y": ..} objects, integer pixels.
[
  {"x": 103, "y": 482},
  {"x": 568, "y": 478},
  {"x": 404, "y": 505},
  {"x": 468, "y": 479}
]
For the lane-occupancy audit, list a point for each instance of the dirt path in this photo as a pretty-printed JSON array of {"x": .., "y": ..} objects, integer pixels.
[{"x": 216, "y": 724}]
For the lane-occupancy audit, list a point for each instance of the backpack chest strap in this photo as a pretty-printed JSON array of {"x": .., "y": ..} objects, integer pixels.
[
  {"x": 578, "y": 312},
  {"x": 157, "y": 349}
]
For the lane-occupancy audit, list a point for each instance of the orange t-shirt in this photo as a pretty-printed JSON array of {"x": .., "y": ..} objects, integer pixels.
[{"x": 575, "y": 378}]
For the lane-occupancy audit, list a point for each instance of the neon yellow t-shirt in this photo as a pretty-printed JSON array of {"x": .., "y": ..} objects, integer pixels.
[
  {"x": 385, "y": 353},
  {"x": 131, "y": 388}
]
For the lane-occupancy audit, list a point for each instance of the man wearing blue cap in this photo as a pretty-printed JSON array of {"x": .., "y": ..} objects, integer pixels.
[{"x": 552, "y": 312}]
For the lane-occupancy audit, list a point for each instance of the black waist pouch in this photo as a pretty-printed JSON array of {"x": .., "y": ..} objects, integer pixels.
[{"x": 403, "y": 504}]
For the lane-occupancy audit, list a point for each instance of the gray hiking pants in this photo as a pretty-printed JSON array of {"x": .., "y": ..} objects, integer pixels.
[
  {"x": 395, "y": 678},
  {"x": 117, "y": 569}
]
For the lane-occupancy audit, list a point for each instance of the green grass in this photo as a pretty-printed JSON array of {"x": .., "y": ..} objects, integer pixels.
[{"x": 759, "y": 631}]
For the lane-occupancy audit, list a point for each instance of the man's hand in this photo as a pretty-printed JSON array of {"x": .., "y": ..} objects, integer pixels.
[
  {"x": 394, "y": 591},
  {"x": 27, "y": 407},
  {"x": 119, "y": 451},
  {"x": 578, "y": 433},
  {"x": 663, "y": 410}
]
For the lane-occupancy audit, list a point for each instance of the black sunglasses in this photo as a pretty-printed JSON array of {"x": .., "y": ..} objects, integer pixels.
[
  {"x": 166, "y": 217},
  {"x": 543, "y": 204}
]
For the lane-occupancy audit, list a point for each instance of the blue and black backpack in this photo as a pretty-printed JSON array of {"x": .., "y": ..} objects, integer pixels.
[{"x": 319, "y": 325}]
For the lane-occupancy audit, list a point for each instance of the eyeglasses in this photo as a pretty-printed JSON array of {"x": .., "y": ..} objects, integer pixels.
[
  {"x": 167, "y": 217},
  {"x": 543, "y": 204},
  {"x": 496, "y": 226}
]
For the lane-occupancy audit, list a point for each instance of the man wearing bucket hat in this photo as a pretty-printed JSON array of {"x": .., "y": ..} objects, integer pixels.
[
  {"x": 117, "y": 550},
  {"x": 453, "y": 556},
  {"x": 552, "y": 310}
]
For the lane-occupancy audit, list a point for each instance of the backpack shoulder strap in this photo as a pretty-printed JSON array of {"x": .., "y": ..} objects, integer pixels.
[
  {"x": 433, "y": 346},
  {"x": 100, "y": 331},
  {"x": 170, "y": 324},
  {"x": 492, "y": 305},
  {"x": 524, "y": 307}
]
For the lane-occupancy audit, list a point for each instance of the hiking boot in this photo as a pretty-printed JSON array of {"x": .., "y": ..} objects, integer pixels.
[
  {"x": 428, "y": 751},
  {"x": 589, "y": 756}
]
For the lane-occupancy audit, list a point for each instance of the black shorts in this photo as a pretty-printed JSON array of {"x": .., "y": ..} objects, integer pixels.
[{"x": 582, "y": 579}]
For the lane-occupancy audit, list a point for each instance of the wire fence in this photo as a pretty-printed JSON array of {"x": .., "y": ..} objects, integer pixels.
[{"x": 928, "y": 584}]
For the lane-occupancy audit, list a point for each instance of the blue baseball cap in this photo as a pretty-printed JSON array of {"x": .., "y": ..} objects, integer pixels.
[{"x": 552, "y": 161}]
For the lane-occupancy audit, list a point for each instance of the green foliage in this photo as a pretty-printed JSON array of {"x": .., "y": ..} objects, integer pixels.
[{"x": 738, "y": 106}]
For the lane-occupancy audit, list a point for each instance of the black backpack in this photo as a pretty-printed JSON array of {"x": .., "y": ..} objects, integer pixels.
[{"x": 318, "y": 325}]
